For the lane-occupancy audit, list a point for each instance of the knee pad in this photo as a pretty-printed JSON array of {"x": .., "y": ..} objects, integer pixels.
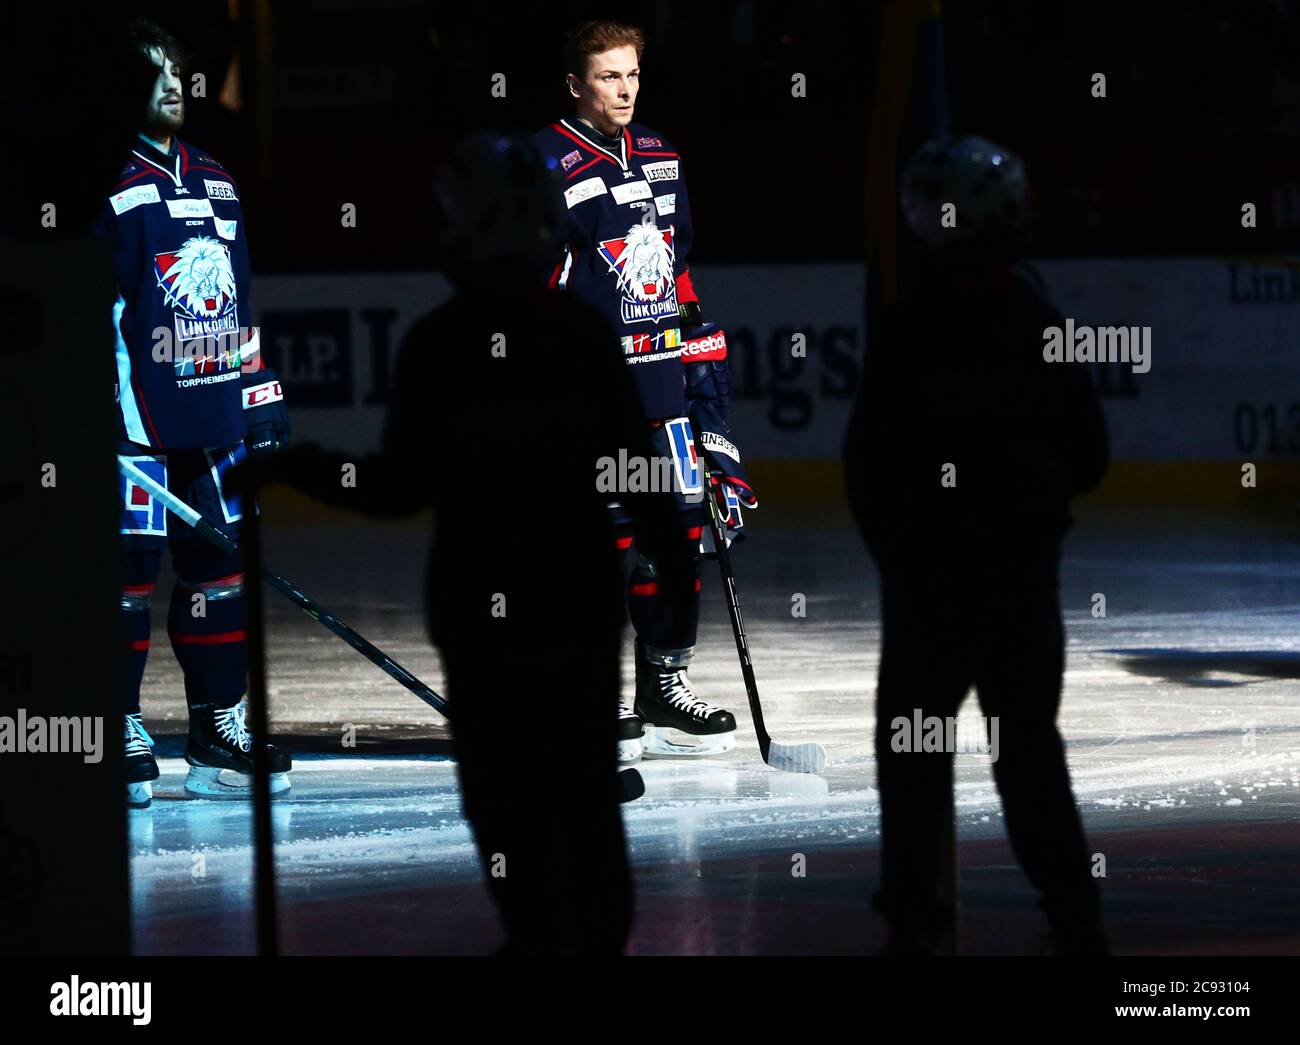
[
  {"x": 140, "y": 569},
  {"x": 217, "y": 575}
]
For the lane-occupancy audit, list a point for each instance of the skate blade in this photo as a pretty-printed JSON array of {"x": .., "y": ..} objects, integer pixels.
[
  {"x": 210, "y": 782},
  {"x": 629, "y": 751},
  {"x": 138, "y": 796},
  {"x": 665, "y": 742},
  {"x": 797, "y": 758}
]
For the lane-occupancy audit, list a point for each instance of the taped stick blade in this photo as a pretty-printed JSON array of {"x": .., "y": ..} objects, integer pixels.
[{"x": 797, "y": 758}]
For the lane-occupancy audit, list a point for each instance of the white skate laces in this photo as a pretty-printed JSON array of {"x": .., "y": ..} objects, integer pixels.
[
  {"x": 675, "y": 688},
  {"x": 232, "y": 728},
  {"x": 627, "y": 707},
  {"x": 138, "y": 740}
]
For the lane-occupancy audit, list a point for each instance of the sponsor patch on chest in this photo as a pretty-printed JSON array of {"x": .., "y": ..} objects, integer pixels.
[
  {"x": 220, "y": 190},
  {"x": 133, "y": 197},
  {"x": 631, "y": 192},
  {"x": 189, "y": 208},
  {"x": 663, "y": 170},
  {"x": 584, "y": 190}
]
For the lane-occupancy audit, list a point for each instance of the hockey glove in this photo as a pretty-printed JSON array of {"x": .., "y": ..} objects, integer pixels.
[
  {"x": 265, "y": 417},
  {"x": 728, "y": 484},
  {"x": 708, "y": 392}
]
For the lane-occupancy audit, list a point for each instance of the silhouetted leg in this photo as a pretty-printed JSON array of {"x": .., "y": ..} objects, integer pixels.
[
  {"x": 921, "y": 670},
  {"x": 559, "y": 873},
  {"x": 1019, "y": 681}
]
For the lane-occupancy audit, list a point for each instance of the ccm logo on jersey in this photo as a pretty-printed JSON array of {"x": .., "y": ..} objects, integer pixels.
[
  {"x": 134, "y": 197},
  {"x": 260, "y": 395},
  {"x": 699, "y": 349},
  {"x": 664, "y": 170}
]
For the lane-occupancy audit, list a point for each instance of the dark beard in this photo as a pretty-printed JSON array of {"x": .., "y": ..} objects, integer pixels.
[{"x": 159, "y": 125}]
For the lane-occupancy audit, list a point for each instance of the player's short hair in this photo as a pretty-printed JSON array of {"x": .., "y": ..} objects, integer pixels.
[
  {"x": 145, "y": 37},
  {"x": 590, "y": 38}
]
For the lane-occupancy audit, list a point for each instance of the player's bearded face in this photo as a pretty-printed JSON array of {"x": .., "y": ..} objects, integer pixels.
[
  {"x": 166, "y": 110},
  {"x": 607, "y": 97}
]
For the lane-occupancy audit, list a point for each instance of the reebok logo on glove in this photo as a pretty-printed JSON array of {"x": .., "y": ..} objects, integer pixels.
[{"x": 710, "y": 346}]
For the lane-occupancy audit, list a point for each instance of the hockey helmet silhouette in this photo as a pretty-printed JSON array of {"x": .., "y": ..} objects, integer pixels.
[
  {"x": 497, "y": 205},
  {"x": 985, "y": 181}
]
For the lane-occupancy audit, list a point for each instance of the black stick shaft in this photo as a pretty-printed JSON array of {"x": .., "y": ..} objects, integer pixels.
[
  {"x": 737, "y": 621},
  {"x": 291, "y": 591},
  {"x": 362, "y": 645}
]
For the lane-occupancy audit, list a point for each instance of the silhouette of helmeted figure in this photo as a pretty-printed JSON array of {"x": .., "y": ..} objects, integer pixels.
[
  {"x": 504, "y": 400},
  {"x": 963, "y": 451}
]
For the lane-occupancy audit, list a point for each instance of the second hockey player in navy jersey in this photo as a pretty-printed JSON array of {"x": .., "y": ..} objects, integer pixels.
[
  {"x": 194, "y": 400},
  {"x": 628, "y": 239}
]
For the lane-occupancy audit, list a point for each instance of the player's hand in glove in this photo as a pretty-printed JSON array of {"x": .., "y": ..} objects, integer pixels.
[
  {"x": 722, "y": 458},
  {"x": 265, "y": 418},
  {"x": 264, "y": 468},
  {"x": 708, "y": 389}
]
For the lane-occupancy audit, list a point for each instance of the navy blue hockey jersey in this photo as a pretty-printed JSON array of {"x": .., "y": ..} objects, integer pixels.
[
  {"x": 182, "y": 319},
  {"x": 628, "y": 239}
]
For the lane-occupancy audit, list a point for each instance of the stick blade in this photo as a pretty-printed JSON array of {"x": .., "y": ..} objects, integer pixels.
[{"x": 797, "y": 758}]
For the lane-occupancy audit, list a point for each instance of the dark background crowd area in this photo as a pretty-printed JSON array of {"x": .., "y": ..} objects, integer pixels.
[{"x": 318, "y": 103}]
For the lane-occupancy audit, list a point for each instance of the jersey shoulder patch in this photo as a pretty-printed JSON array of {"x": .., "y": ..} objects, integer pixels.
[
  {"x": 645, "y": 140},
  {"x": 561, "y": 153}
]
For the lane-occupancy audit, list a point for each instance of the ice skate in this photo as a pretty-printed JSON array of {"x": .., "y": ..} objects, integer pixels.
[
  {"x": 219, "y": 752},
  {"x": 141, "y": 767},
  {"x": 631, "y": 728},
  {"x": 677, "y": 722}
]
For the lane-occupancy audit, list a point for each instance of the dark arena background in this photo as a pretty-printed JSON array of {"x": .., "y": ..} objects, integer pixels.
[{"x": 1161, "y": 149}]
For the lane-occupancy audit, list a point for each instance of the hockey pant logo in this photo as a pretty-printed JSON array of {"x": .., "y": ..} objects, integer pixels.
[
  {"x": 686, "y": 461},
  {"x": 219, "y": 463},
  {"x": 141, "y": 514}
]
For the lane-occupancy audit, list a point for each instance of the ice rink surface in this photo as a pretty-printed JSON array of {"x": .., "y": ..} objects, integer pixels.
[{"x": 1180, "y": 715}]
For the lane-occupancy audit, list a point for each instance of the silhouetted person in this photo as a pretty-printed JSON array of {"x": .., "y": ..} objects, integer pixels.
[
  {"x": 956, "y": 377},
  {"x": 503, "y": 402}
]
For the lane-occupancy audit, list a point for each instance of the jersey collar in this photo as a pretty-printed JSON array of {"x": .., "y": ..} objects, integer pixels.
[
  {"x": 167, "y": 162},
  {"x": 580, "y": 130}
]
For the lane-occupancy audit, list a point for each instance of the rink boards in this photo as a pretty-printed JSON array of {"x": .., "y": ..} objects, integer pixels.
[{"x": 1217, "y": 390}]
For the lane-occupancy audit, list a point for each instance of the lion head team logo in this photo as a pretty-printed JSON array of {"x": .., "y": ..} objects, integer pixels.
[
  {"x": 198, "y": 285},
  {"x": 643, "y": 262}
]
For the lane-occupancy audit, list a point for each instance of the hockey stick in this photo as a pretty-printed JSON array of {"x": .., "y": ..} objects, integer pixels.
[
  {"x": 630, "y": 784},
  {"x": 206, "y": 530},
  {"x": 795, "y": 758}
]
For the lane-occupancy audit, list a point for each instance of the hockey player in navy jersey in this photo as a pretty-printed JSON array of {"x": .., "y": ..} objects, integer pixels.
[
  {"x": 629, "y": 235},
  {"x": 194, "y": 400}
]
